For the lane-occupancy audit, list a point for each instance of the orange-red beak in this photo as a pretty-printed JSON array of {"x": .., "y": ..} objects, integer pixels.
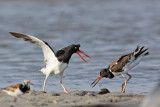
[
  {"x": 78, "y": 52},
  {"x": 96, "y": 81}
]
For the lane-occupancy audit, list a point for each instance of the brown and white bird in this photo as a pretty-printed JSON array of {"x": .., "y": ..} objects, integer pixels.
[
  {"x": 18, "y": 89},
  {"x": 122, "y": 65},
  {"x": 55, "y": 63}
]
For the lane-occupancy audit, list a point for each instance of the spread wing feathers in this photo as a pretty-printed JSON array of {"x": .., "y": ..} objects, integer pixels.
[
  {"x": 12, "y": 87},
  {"x": 48, "y": 52},
  {"x": 118, "y": 64}
]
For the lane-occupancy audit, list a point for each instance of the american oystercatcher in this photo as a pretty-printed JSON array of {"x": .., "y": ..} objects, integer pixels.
[
  {"x": 55, "y": 63},
  {"x": 122, "y": 65},
  {"x": 17, "y": 89}
]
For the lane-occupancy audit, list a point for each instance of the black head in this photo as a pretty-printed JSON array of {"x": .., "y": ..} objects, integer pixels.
[
  {"x": 73, "y": 48},
  {"x": 65, "y": 54},
  {"x": 106, "y": 73},
  {"x": 103, "y": 73}
]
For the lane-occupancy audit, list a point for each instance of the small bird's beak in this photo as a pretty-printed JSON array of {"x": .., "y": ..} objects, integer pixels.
[
  {"x": 78, "y": 52},
  {"x": 96, "y": 81},
  {"x": 31, "y": 83}
]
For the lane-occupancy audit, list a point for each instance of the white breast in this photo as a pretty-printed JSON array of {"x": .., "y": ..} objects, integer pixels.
[
  {"x": 15, "y": 93},
  {"x": 55, "y": 69},
  {"x": 60, "y": 68}
]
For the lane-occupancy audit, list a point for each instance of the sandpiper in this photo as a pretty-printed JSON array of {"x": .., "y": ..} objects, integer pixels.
[{"x": 17, "y": 89}]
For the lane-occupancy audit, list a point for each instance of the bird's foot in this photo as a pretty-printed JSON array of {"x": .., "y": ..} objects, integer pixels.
[
  {"x": 122, "y": 91},
  {"x": 66, "y": 91},
  {"x": 15, "y": 99}
]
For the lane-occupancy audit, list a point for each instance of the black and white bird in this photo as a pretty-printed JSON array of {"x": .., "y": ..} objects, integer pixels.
[
  {"x": 122, "y": 65},
  {"x": 18, "y": 89},
  {"x": 55, "y": 63}
]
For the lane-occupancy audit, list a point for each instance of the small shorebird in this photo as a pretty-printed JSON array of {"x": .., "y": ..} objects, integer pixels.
[
  {"x": 17, "y": 89},
  {"x": 122, "y": 65},
  {"x": 55, "y": 63}
]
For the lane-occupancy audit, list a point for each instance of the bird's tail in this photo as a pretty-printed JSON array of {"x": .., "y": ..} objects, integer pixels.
[
  {"x": 137, "y": 49},
  {"x": 140, "y": 51},
  {"x": 38, "y": 69},
  {"x": 42, "y": 70}
]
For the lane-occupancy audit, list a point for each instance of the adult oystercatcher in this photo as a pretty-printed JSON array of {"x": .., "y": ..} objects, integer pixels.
[
  {"x": 17, "y": 89},
  {"x": 55, "y": 63},
  {"x": 122, "y": 65}
]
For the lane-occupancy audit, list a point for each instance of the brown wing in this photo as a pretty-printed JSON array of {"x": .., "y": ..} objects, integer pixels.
[
  {"x": 118, "y": 64},
  {"x": 12, "y": 87}
]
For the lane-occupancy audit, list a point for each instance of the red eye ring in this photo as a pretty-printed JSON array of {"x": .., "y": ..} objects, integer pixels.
[{"x": 75, "y": 47}]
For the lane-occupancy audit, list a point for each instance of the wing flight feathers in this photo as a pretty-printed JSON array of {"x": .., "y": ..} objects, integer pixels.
[{"x": 48, "y": 52}]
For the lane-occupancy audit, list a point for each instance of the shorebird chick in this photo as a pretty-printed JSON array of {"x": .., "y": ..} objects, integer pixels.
[
  {"x": 17, "y": 89},
  {"x": 56, "y": 63},
  {"x": 122, "y": 65}
]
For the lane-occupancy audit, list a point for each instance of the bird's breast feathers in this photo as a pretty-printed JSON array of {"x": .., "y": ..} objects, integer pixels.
[
  {"x": 58, "y": 68},
  {"x": 13, "y": 93}
]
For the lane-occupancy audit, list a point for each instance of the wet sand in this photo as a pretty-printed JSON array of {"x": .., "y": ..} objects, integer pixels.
[{"x": 72, "y": 99}]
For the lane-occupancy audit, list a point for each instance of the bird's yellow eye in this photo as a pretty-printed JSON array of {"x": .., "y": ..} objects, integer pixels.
[{"x": 75, "y": 47}]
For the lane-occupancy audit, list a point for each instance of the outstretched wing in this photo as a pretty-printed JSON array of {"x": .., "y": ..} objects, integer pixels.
[{"x": 49, "y": 56}]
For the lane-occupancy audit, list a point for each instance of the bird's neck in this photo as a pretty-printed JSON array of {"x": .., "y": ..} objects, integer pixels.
[
  {"x": 110, "y": 74},
  {"x": 65, "y": 57}
]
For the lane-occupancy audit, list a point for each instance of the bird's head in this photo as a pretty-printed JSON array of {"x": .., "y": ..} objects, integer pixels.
[
  {"x": 25, "y": 86},
  {"x": 66, "y": 53},
  {"x": 75, "y": 49},
  {"x": 103, "y": 73},
  {"x": 27, "y": 82}
]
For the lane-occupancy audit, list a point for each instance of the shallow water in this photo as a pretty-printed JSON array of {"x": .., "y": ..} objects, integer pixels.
[{"x": 105, "y": 29}]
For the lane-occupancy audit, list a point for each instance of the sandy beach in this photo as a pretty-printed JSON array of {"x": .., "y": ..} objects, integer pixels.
[{"x": 72, "y": 99}]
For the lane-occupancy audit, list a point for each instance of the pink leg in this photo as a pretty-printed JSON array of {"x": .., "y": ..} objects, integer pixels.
[
  {"x": 65, "y": 91},
  {"x": 125, "y": 83},
  {"x": 44, "y": 84},
  {"x": 15, "y": 99}
]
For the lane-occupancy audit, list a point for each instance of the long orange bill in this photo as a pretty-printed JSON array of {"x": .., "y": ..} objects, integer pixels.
[
  {"x": 83, "y": 54},
  {"x": 96, "y": 81}
]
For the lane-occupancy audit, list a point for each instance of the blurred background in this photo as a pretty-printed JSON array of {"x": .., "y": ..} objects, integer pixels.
[{"x": 106, "y": 29}]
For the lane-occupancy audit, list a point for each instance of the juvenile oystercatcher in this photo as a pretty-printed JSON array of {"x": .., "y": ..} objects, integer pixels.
[
  {"x": 17, "y": 89},
  {"x": 55, "y": 63},
  {"x": 122, "y": 65}
]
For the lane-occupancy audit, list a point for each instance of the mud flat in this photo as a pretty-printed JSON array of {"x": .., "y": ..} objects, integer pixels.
[{"x": 72, "y": 99}]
